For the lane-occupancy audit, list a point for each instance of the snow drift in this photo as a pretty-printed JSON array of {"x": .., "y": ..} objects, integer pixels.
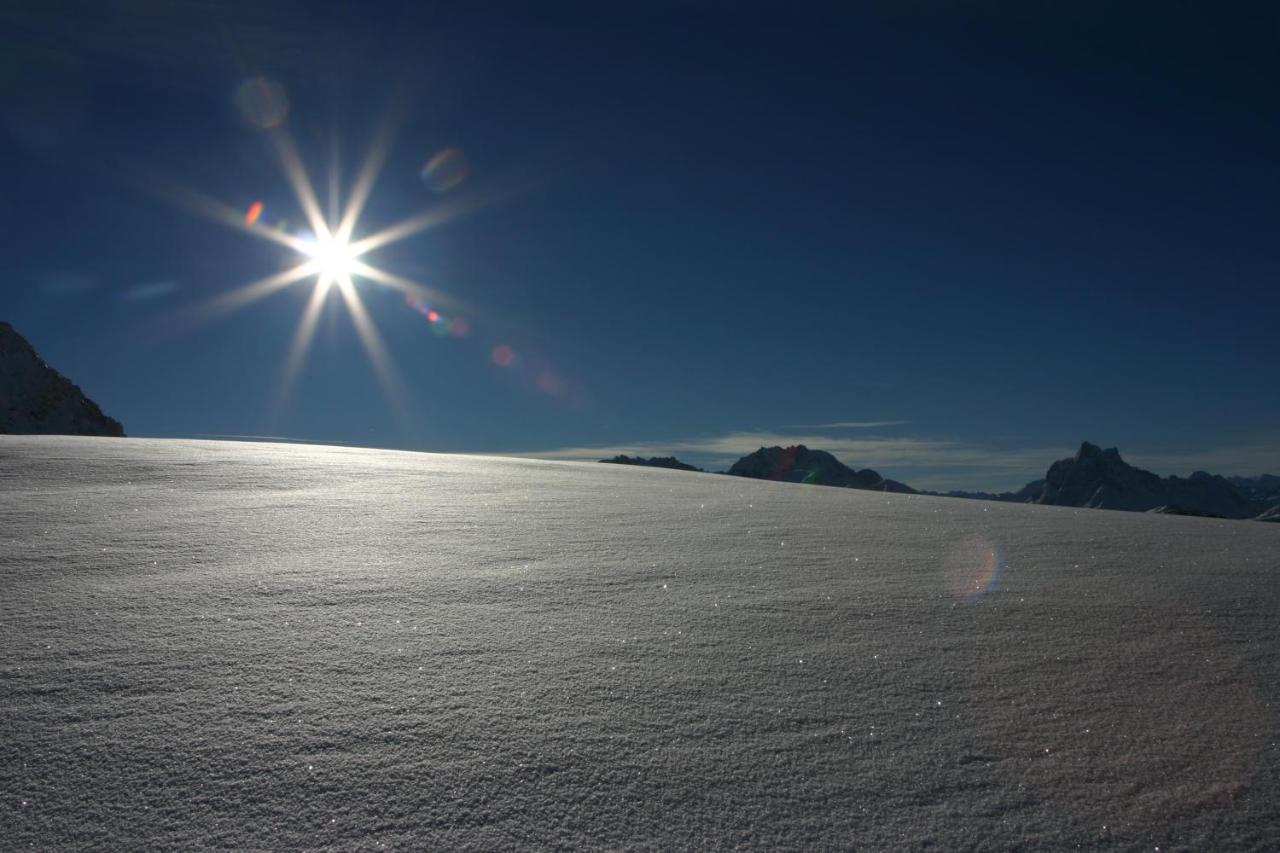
[{"x": 215, "y": 645}]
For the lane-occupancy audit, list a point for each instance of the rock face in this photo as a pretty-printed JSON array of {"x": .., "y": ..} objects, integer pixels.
[
  {"x": 799, "y": 464},
  {"x": 35, "y": 398},
  {"x": 1100, "y": 478},
  {"x": 655, "y": 462}
]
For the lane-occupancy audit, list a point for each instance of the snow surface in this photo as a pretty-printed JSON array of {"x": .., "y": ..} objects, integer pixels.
[{"x": 251, "y": 646}]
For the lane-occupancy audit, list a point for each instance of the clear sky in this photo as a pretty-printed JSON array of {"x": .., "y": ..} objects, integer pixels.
[{"x": 945, "y": 243}]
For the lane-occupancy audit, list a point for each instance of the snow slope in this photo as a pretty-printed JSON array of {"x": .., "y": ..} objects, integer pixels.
[{"x": 218, "y": 645}]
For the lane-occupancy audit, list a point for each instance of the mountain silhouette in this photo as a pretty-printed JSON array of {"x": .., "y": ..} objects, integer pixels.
[
  {"x": 1101, "y": 479},
  {"x": 655, "y": 462},
  {"x": 35, "y": 398},
  {"x": 799, "y": 464},
  {"x": 1265, "y": 488}
]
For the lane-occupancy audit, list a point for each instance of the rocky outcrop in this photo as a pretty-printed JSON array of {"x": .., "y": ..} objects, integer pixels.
[
  {"x": 799, "y": 464},
  {"x": 35, "y": 398},
  {"x": 654, "y": 462},
  {"x": 1101, "y": 479}
]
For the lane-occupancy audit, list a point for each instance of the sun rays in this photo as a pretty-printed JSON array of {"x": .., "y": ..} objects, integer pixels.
[{"x": 330, "y": 255}]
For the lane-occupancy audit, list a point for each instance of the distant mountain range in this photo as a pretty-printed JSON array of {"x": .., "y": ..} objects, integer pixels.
[
  {"x": 655, "y": 462},
  {"x": 1093, "y": 478},
  {"x": 35, "y": 398},
  {"x": 1101, "y": 479},
  {"x": 797, "y": 464},
  {"x": 1265, "y": 488}
]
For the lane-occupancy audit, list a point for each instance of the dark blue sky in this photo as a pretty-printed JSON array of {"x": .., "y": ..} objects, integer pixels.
[{"x": 990, "y": 233}]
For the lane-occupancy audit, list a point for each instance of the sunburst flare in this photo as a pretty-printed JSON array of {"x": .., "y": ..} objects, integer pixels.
[{"x": 331, "y": 256}]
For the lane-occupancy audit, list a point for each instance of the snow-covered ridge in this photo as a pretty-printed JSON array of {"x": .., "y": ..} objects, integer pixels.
[
  {"x": 35, "y": 398},
  {"x": 247, "y": 646}
]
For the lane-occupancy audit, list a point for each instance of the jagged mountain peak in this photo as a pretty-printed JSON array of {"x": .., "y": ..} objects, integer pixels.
[
  {"x": 1094, "y": 453},
  {"x": 1099, "y": 478}
]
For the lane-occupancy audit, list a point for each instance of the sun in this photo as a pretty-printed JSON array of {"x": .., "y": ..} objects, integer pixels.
[
  {"x": 335, "y": 259},
  {"x": 330, "y": 255}
]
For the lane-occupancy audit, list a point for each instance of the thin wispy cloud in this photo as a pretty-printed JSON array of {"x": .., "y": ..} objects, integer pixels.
[
  {"x": 852, "y": 425},
  {"x": 1261, "y": 456},
  {"x": 149, "y": 290}
]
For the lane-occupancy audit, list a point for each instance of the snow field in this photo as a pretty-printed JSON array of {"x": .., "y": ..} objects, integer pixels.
[{"x": 225, "y": 645}]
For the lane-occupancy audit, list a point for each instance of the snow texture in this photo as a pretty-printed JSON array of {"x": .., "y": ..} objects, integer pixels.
[{"x": 216, "y": 645}]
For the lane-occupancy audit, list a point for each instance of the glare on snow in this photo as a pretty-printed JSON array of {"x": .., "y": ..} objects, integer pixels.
[{"x": 1113, "y": 695}]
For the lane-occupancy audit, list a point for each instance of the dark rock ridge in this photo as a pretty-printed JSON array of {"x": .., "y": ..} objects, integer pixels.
[
  {"x": 655, "y": 462},
  {"x": 36, "y": 399},
  {"x": 1100, "y": 479},
  {"x": 799, "y": 464}
]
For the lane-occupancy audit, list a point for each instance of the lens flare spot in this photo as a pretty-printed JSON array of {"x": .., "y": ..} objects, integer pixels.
[
  {"x": 459, "y": 327},
  {"x": 262, "y": 103},
  {"x": 974, "y": 568},
  {"x": 502, "y": 355},
  {"x": 550, "y": 383},
  {"x": 446, "y": 170},
  {"x": 438, "y": 322},
  {"x": 252, "y": 214}
]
